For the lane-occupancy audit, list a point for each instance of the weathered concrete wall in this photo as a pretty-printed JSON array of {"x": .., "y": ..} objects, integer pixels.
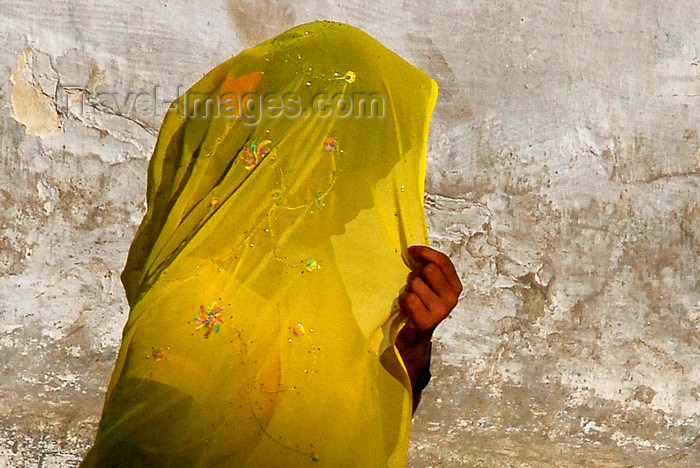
[{"x": 563, "y": 180}]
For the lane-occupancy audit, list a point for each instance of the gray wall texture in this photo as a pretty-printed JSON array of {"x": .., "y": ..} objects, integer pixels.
[{"x": 563, "y": 180}]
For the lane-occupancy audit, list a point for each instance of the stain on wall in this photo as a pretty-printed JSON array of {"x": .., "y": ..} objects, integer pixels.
[{"x": 563, "y": 180}]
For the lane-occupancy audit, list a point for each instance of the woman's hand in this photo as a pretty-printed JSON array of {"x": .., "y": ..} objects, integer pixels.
[{"x": 432, "y": 292}]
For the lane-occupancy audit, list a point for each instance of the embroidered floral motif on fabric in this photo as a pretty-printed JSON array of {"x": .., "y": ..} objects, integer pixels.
[
  {"x": 329, "y": 144},
  {"x": 158, "y": 354},
  {"x": 298, "y": 329},
  {"x": 314, "y": 455},
  {"x": 254, "y": 152},
  {"x": 209, "y": 319}
]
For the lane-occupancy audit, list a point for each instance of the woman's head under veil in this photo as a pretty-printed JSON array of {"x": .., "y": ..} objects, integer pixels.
[{"x": 283, "y": 192}]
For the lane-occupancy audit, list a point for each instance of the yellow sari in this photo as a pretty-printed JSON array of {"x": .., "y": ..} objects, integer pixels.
[{"x": 263, "y": 280}]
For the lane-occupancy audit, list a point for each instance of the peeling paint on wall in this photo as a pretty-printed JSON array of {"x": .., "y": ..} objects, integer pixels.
[{"x": 30, "y": 106}]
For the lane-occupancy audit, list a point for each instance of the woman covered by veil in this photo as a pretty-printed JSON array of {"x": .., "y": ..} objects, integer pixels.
[{"x": 267, "y": 281}]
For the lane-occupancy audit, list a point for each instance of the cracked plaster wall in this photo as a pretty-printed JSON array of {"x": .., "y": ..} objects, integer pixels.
[{"x": 563, "y": 180}]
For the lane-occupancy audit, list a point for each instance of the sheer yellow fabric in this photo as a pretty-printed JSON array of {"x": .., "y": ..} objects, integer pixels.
[{"x": 263, "y": 280}]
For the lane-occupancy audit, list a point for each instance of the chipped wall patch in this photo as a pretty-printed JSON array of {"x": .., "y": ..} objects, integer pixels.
[{"x": 30, "y": 106}]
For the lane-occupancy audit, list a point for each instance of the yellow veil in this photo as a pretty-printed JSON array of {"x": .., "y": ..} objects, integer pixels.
[{"x": 263, "y": 280}]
